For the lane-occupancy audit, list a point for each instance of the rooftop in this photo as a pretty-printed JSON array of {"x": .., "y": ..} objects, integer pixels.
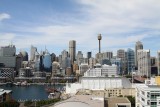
[
  {"x": 82, "y": 101},
  {"x": 117, "y": 100}
]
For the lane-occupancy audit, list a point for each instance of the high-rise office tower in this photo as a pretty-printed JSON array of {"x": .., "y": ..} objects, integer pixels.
[
  {"x": 19, "y": 60},
  {"x": 138, "y": 46},
  {"x": 79, "y": 57},
  {"x": 89, "y": 55},
  {"x": 122, "y": 54},
  {"x": 153, "y": 61},
  {"x": 72, "y": 50},
  {"x": 53, "y": 57},
  {"x": 7, "y": 56},
  {"x": 47, "y": 61},
  {"x": 130, "y": 60},
  {"x": 64, "y": 54},
  {"x": 158, "y": 62},
  {"x": 154, "y": 67},
  {"x": 144, "y": 64},
  {"x": 25, "y": 55},
  {"x": 32, "y": 53},
  {"x": 107, "y": 55}
]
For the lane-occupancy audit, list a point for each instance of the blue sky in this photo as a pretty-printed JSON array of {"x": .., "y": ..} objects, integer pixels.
[{"x": 52, "y": 23}]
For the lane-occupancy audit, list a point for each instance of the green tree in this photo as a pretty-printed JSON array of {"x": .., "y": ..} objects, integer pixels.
[{"x": 11, "y": 103}]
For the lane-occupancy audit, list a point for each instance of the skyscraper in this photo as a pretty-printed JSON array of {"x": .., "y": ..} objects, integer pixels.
[
  {"x": 24, "y": 55},
  {"x": 53, "y": 57},
  {"x": 138, "y": 46},
  {"x": 107, "y": 55},
  {"x": 7, "y": 56},
  {"x": 47, "y": 61},
  {"x": 130, "y": 60},
  {"x": 144, "y": 64},
  {"x": 72, "y": 50},
  {"x": 32, "y": 53},
  {"x": 89, "y": 55},
  {"x": 122, "y": 54},
  {"x": 79, "y": 57},
  {"x": 64, "y": 54}
]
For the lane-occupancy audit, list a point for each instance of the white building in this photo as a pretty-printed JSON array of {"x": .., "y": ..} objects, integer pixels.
[
  {"x": 104, "y": 70},
  {"x": 144, "y": 65},
  {"x": 98, "y": 83},
  {"x": 99, "y": 78},
  {"x": 147, "y": 95}
]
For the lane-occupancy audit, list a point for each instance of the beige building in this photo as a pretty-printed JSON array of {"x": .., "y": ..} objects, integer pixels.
[
  {"x": 118, "y": 102},
  {"x": 120, "y": 92},
  {"x": 112, "y": 92},
  {"x": 138, "y": 46},
  {"x": 55, "y": 68},
  {"x": 144, "y": 64},
  {"x": 81, "y": 101}
]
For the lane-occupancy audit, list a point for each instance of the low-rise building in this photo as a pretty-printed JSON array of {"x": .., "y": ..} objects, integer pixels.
[
  {"x": 5, "y": 95},
  {"x": 81, "y": 101},
  {"x": 118, "y": 102},
  {"x": 104, "y": 70},
  {"x": 25, "y": 72},
  {"x": 112, "y": 92},
  {"x": 147, "y": 95},
  {"x": 98, "y": 83},
  {"x": 7, "y": 72}
]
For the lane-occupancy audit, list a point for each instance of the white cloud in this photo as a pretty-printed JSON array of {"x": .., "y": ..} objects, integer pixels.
[
  {"x": 121, "y": 22},
  {"x": 4, "y": 16},
  {"x": 6, "y": 38}
]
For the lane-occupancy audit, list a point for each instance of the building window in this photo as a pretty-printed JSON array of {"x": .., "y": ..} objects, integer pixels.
[
  {"x": 142, "y": 99},
  {"x": 143, "y": 92}
]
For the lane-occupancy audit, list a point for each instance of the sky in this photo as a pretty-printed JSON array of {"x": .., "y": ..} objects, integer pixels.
[{"x": 52, "y": 23}]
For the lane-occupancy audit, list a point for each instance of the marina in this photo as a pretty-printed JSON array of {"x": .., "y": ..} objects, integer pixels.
[{"x": 31, "y": 92}]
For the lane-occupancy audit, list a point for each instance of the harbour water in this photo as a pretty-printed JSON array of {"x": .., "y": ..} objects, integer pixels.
[{"x": 32, "y": 92}]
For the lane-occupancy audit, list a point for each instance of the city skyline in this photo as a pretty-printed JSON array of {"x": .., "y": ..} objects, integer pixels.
[{"x": 54, "y": 23}]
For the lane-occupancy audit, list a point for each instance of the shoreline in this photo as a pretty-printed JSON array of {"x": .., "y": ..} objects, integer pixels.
[{"x": 40, "y": 83}]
